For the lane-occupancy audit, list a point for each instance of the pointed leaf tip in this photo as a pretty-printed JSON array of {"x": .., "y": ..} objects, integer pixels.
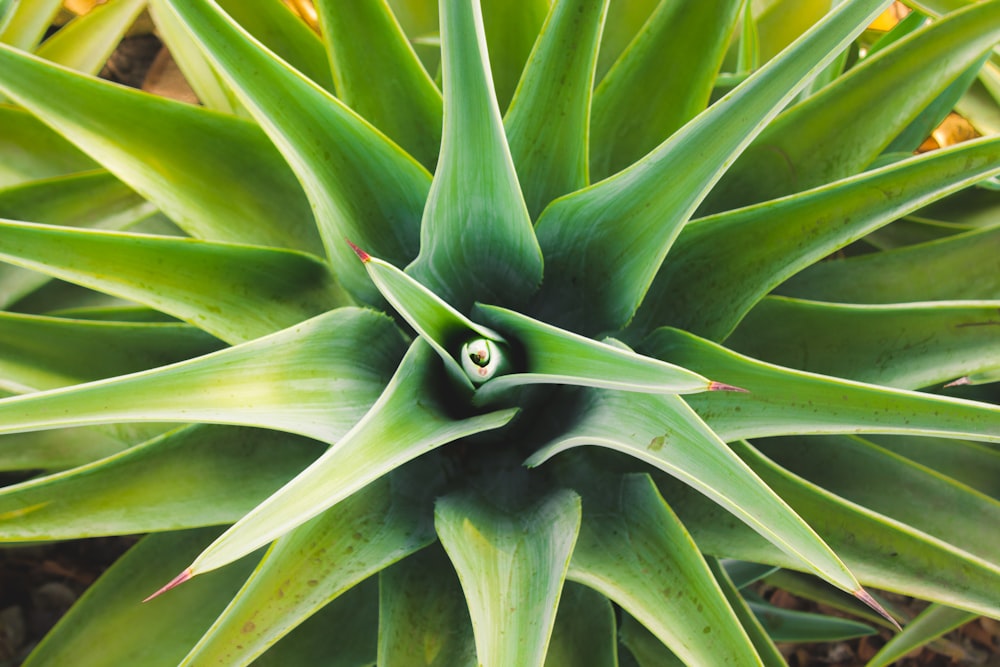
[
  {"x": 721, "y": 386},
  {"x": 866, "y": 597},
  {"x": 365, "y": 257},
  {"x": 176, "y": 581},
  {"x": 960, "y": 381}
]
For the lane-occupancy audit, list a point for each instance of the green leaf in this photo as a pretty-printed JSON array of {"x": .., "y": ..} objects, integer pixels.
[
  {"x": 963, "y": 266},
  {"x": 476, "y": 238},
  {"x": 788, "y": 625},
  {"x": 642, "y": 100},
  {"x": 378, "y": 75},
  {"x": 644, "y": 646},
  {"x": 971, "y": 463},
  {"x": 92, "y": 199},
  {"x": 665, "y": 433},
  {"x": 359, "y": 183},
  {"x": 933, "y": 622},
  {"x": 410, "y": 418},
  {"x": 854, "y": 468},
  {"x": 30, "y": 150},
  {"x": 59, "y": 449},
  {"x": 899, "y": 345},
  {"x": 255, "y": 290},
  {"x": 423, "y": 618},
  {"x": 341, "y": 634},
  {"x": 783, "y": 401},
  {"x": 551, "y": 158},
  {"x": 634, "y": 550},
  {"x": 234, "y": 187},
  {"x": 555, "y": 356},
  {"x": 443, "y": 327},
  {"x": 511, "y": 30},
  {"x": 85, "y": 43},
  {"x": 27, "y": 24},
  {"x": 604, "y": 244},
  {"x": 585, "y": 630},
  {"x": 320, "y": 560},
  {"x": 33, "y": 351},
  {"x": 852, "y": 121},
  {"x": 190, "y": 477},
  {"x": 111, "y": 617},
  {"x": 307, "y": 379},
  {"x": 625, "y": 20},
  {"x": 721, "y": 265},
  {"x": 882, "y": 552},
  {"x": 283, "y": 33},
  {"x": 510, "y": 559},
  {"x": 768, "y": 652}
]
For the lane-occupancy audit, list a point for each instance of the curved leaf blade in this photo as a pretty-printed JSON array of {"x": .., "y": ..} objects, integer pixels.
[
  {"x": 476, "y": 238},
  {"x": 235, "y": 187},
  {"x": 552, "y": 158},
  {"x": 85, "y": 43},
  {"x": 191, "y": 477},
  {"x": 933, "y": 622},
  {"x": 665, "y": 433},
  {"x": 379, "y": 75},
  {"x": 360, "y": 185},
  {"x": 510, "y": 560},
  {"x": 255, "y": 291},
  {"x": 307, "y": 379},
  {"x": 899, "y": 345},
  {"x": 721, "y": 265},
  {"x": 405, "y": 422},
  {"x": 319, "y": 561},
  {"x": 635, "y": 551},
  {"x": 585, "y": 631},
  {"x": 783, "y": 401},
  {"x": 604, "y": 244}
]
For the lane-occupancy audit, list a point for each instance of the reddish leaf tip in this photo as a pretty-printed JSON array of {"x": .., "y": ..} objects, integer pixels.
[
  {"x": 365, "y": 257},
  {"x": 865, "y": 597},
  {"x": 721, "y": 386},
  {"x": 959, "y": 381},
  {"x": 176, "y": 581}
]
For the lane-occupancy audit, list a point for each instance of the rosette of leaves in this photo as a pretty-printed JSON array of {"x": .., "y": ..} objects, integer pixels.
[{"x": 499, "y": 335}]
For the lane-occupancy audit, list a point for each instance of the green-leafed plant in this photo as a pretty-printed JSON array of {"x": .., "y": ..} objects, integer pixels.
[{"x": 499, "y": 344}]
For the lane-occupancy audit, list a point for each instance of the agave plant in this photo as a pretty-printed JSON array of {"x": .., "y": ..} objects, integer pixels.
[{"x": 500, "y": 335}]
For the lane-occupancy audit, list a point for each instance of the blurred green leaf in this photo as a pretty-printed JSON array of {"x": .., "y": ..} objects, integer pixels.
[
  {"x": 552, "y": 158},
  {"x": 783, "y": 401},
  {"x": 476, "y": 237},
  {"x": 769, "y": 654},
  {"x": 656, "y": 87},
  {"x": 644, "y": 647},
  {"x": 604, "y": 244},
  {"x": 58, "y": 449},
  {"x": 26, "y": 25},
  {"x": 509, "y": 560},
  {"x": 33, "y": 351},
  {"x": 190, "y": 477},
  {"x": 378, "y": 75},
  {"x": 788, "y": 625},
  {"x": 111, "y": 616},
  {"x": 510, "y": 33},
  {"x": 30, "y": 150},
  {"x": 85, "y": 43},
  {"x": 625, "y": 20},
  {"x": 585, "y": 630},
  {"x": 320, "y": 560},
  {"x": 932, "y": 623},
  {"x": 255, "y": 290},
  {"x": 423, "y": 618},
  {"x": 307, "y": 379}
]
